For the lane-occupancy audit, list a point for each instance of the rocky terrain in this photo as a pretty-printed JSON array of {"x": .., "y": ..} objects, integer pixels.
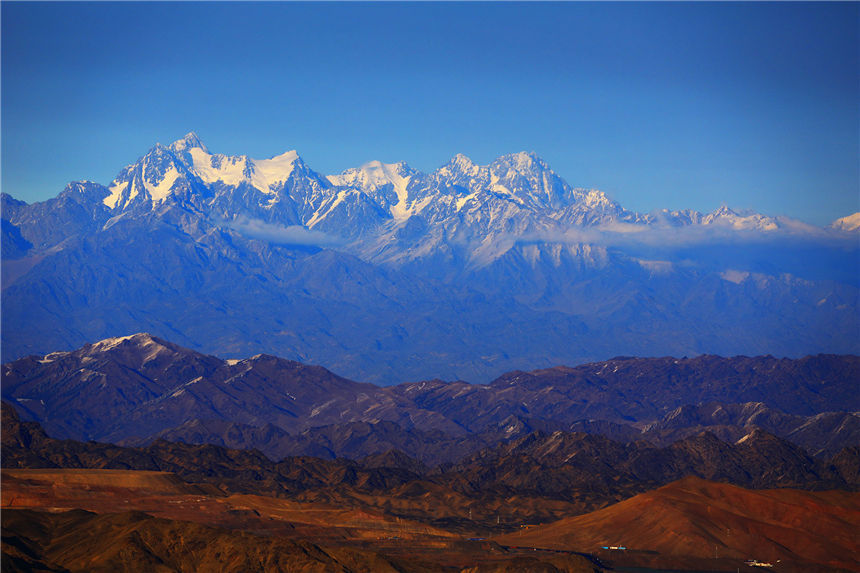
[
  {"x": 138, "y": 388},
  {"x": 223, "y": 462},
  {"x": 549, "y": 474},
  {"x": 115, "y": 508}
]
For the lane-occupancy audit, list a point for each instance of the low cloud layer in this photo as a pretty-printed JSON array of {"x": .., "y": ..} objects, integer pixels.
[
  {"x": 630, "y": 235},
  {"x": 812, "y": 253},
  {"x": 283, "y": 235}
]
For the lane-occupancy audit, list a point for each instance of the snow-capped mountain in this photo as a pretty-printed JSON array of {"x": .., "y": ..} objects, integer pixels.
[
  {"x": 391, "y": 213},
  {"x": 748, "y": 221},
  {"x": 518, "y": 192},
  {"x": 519, "y": 184},
  {"x": 387, "y": 184},
  {"x": 849, "y": 223},
  {"x": 385, "y": 273},
  {"x": 166, "y": 171}
]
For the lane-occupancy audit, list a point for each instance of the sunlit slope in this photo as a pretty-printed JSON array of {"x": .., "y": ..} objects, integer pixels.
[{"x": 694, "y": 517}]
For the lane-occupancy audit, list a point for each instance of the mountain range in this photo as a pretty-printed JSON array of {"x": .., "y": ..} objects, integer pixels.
[
  {"x": 184, "y": 505},
  {"x": 386, "y": 274},
  {"x": 552, "y": 475},
  {"x": 136, "y": 389}
]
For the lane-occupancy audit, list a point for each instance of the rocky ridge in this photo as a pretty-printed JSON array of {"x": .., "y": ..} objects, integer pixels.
[{"x": 139, "y": 388}]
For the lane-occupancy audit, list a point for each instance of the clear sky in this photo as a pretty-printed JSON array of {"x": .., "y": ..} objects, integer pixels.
[{"x": 676, "y": 105}]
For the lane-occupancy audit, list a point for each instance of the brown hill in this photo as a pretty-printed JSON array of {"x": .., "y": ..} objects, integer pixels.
[
  {"x": 386, "y": 483},
  {"x": 311, "y": 536},
  {"x": 133, "y": 541},
  {"x": 538, "y": 478},
  {"x": 694, "y": 517},
  {"x": 155, "y": 483},
  {"x": 164, "y": 495}
]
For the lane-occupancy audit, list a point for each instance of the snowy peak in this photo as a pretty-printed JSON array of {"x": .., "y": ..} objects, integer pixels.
[
  {"x": 460, "y": 170},
  {"x": 190, "y": 141},
  {"x": 680, "y": 218},
  {"x": 386, "y": 183},
  {"x": 373, "y": 175},
  {"x": 150, "y": 179},
  {"x": 461, "y": 164},
  {"x": 139, "y": 339},
  {"x": 186, "y": 164},
  {"x": 724, "y": 211},
  {"x": 849, "y": 223},
  {"x": 528, "y": 179},
  {"x": 85, "y": 192},
  {"x": 520, "y": 178},
  {"x": 283, "y": 189},
  {"x": 266, "y": 174},
  {"x": 516, "y": 193},
  {"x": 263, "y": 174},
  {"x": 740, "y": 221},
  {"x": 142, "y": 350},
  {"x": 522, "y": 163}
]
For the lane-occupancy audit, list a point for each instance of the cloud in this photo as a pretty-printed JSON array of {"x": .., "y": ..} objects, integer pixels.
[
  {"x": 661, "y": 236},
  {"x": 284, "y": 235},
  {"x": 800, "y": 250}
]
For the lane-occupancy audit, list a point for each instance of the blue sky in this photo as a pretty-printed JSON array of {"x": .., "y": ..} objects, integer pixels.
[{"x": 677, "y": 105}]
